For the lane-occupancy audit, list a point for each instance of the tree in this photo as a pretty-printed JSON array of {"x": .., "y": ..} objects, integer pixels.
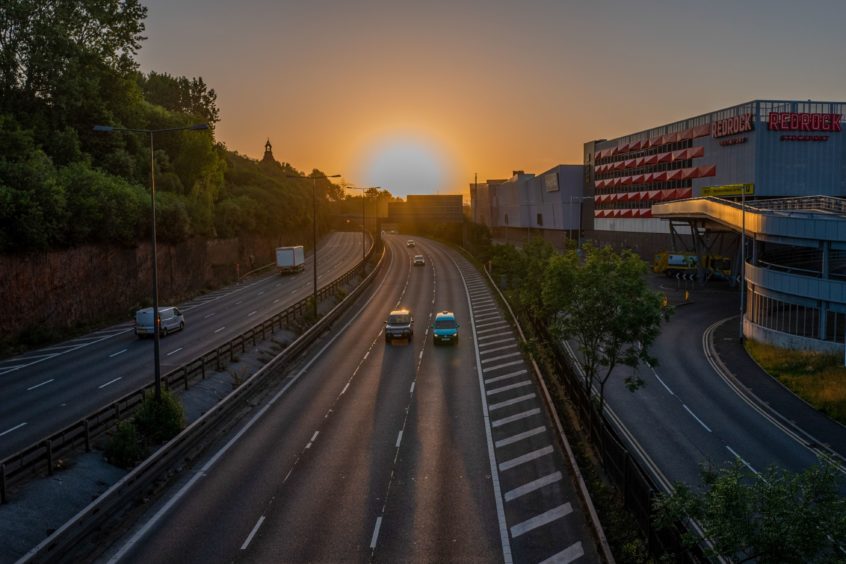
[
  {"x": 778, "y": 516},
  {"x": 604, "y": 304}
]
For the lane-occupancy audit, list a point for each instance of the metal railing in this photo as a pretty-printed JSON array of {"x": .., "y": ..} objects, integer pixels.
[{"x": 40, "y": 457}]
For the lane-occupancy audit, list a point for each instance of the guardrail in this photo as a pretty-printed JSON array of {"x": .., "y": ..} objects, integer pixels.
[{"x": 41, "y": 456}]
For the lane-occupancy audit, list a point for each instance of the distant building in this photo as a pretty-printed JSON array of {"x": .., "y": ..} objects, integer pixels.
[
  {"x": 268, "y": 153},
  {"x": 426, "y": 210}
]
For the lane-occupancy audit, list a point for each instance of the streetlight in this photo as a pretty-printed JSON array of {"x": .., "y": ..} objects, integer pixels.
[
  {"x": 156, "y": 318},
  {"x": 314, "y": 180},
  {"x": 363, "y": 236},
  {"x": 742, "y": 257}
]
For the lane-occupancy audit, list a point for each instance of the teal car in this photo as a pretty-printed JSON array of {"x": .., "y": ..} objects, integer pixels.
[{"x": 445, "y": 328}]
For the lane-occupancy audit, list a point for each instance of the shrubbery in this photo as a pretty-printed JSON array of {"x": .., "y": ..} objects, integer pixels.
[{"x": 154, "y": 423}]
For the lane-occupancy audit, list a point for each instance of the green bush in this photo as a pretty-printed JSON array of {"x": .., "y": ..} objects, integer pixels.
[
  {"x": 125, "y": 448},
  {"x": 159, "y": 421}
]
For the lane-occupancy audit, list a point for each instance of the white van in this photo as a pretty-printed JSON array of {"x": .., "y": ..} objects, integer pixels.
[{"x": 171, "y": 318}]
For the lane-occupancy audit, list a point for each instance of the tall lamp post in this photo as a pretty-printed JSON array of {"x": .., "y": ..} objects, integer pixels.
[
  {"x": 314, "y": 180},
  {"x": 156, "y": 318},
  {"x": 363, "y": 235}
]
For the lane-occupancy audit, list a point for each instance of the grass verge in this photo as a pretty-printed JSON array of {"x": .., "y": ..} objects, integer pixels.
[{"x": 819, "y": 379}]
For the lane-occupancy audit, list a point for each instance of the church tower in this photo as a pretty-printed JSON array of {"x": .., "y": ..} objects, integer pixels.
[{"x": 268, "y": 153}]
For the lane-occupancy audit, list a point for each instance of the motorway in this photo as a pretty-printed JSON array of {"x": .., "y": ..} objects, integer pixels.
[
  {"x": 389, "y": 452},
  {"x": 47, "y": 389},
  {"x": 686, "y": 415}
]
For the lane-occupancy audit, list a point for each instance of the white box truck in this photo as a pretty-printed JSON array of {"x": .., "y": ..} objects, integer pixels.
[{"x": 290, "y": 259}]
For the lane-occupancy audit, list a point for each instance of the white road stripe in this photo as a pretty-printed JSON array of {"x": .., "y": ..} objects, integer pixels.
[
  {"x": 662, "y": 383},
  {"x": 541, "y": 520},
  {"x": 503, "y": 334},
  {"x": 501, "y": 389},
  {"x": 490, "y": 315},
  {"x": 110, "y": 382},
  {"x": 314, "y": 436},
  {"x": 509, "y": 402},
  {"x": 399, "y": 439},
  {"x": 515, "y": 417},
  {"x": 528, "y": 457},
  {"x": 740, "y": 458},
  {"x": 15, "y": 428},
  {"x": 252, "y": 313},
  {"x": 117, "y": 353},
  {"x": 534, "y": 485},
  {"x": 491, "y": 324},
  {"x": 501, "y": 357},
  {"x": 498, "y": 349},
  {"x": 212, "y": 314},
  {"x": 695, "y": 417},
  {"x": 345, "y": 389},
  {"x": 411, "y": 391},
  {"x": 569, "y": 554},
  {"x": 498, "y": 366},
  {"x": 174, "y": 351},
  {"x": 505, "y": 376},
  {"x": 39, "y": 385},
  {"x": 520, "y": 436},
  {"x": 511, "y": 339},
  {"x": 220, "y": 329},
  {"x": 375, "y": 532},
  {"x": 252, "y": 533}
]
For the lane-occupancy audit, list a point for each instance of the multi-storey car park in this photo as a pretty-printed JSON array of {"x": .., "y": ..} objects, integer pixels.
[{"x": 771, "y": 173}]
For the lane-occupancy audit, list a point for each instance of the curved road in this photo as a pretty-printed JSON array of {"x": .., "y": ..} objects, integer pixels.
[
  {"x": 375, "y": 451},
  {"x": 48, "y": 389}
]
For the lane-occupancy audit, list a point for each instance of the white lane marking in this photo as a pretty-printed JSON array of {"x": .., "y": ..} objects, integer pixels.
[
  {"x": 509, "y": 402},
  {"x": 501, "y": 357},
  {"x": 491, "y": 324},
  {"x": 212, "y": 314},
  {"x": 220, "y": 329},
  {"x": 502, "y": 348},
  {"x": 276, "y": 300},
  {"x": 39, "y": 385},
  {"x": 569, "y": 554},
  {"x": 502, "y": 334},
  {"x": 695, "y": 417},
  {"x": 252, "y": 313},
  {"x": 499, "y": 342},
  {"x": 313, "y": 437},
  {"x": 485, "y": 309},
  {"x": 174, "y": 351},
  {"x": 117, "y": 353},
  {"x": 239, "y": 302},
  {"x": 15, "y": 428},
  {"x": 110, "y": 382},
  {"x": 7, "y": 369},
  {"x": 520, "y": 436},
  {"x": 498, "y": 366},
  {"x": 662, "y": 383},
  {"x": 534, "y": 485},
  {"x": 740, "y": 458},
  {"x": 541, "y": 520},
  {"x": 345, "y": 389},
  {"x": 375, "y": 532},
  {"x": 366, "y": 355},
  {"x": 501, "y": 389},
  {"x": 420, "y": 357},
  {"x": 252, "y": 533},
  {"x": 293, "y": 291},
  {"x": 260, "y": 293},
  {"x": 524, "y": 458},
  {"x": 411, "y": 391},
  {"x": 515, "y": 417},
  {"x": 399, "y": 439},
  {"x": 505, "y": 376}
]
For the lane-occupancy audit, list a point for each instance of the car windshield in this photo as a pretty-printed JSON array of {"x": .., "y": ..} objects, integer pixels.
[
  {"x": 399, "y": 320},
  {"x": 445, "y": 324}
]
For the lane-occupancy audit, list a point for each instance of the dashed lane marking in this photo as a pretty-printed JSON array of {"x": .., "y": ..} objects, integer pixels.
[
  {"x": 695, "y": 417},
  {"x": 109, "y": 383},
  {"x": 532, "y": 486},
  {"x": 220, "y": 329},
  {"x": 524, "y": 458},
  {"x": 39, "y": 385},
  {"x": 501, "y": 357},
  {"x": 117, "y": 353},
  {"x": 375, "y": 536},
  {"x": 569, "y": 554},
  {"x": 541, "y": 520},
  {"x": 503, "y": 348},
  {"x": 491, "y": 324},
  {"x": 501, "y": 389},
  {"x": 15, "y": 428},
  {"x": 502, "y": 334},
  {"x": 491, "y": 330},
  {"x": 520, "y": 436},
  {"x": 516, "y": 417},
  {"x": 505, "y": 376},
  {"x": 252, "y": 533},
  {"x": 499, "y": 342},
  {"x": 498, "y": 366},
  {"x": 174, "y": 351}
]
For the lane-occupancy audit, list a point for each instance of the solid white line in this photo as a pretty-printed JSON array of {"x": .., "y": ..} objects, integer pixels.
[
  {"x": 695, "y": 417},
  {"x": 512, "y": 401},
  {"x": 662, "y": 382},
  {"x": 541, "y": 520},
  {"x": 399, "y": 439},
  {"x": 534, "y": 485},
  {"x": 498, "y": 366},
  {"x": 511, "y": 339},
  {"x": 502, "y": 356},
  {"x": 503, "y": 348},
  {"x": 520, "y": 436},
  {"x": 515, "y": 417},
  {"x": 569, "y": 554},
  {"x": 109, "y": 382},
  {"x": 528, "y": 457},
  {"x": 15, "y": 428},
  {"x": 117, "y": 353},
  {"x": 39, "y": 385},
  {"x": 375, "y": 532},
  {"x": 505, "y": 376},
  {"x": 740, "y": 458},
  {"x": 252, "y": 533},
  {"x": 501, "y": 389},
  {"x": 174, "y": 351},
  {"x": 219, "y": 330}
]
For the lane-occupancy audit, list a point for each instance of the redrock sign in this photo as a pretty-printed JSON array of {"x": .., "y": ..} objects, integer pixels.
[
  {"x": 732, "y": 125},
  {"x": 790, "y": 121}
]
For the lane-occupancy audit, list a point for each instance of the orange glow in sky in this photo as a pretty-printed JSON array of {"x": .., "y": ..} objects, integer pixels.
[{"x": 416, "y": 97}]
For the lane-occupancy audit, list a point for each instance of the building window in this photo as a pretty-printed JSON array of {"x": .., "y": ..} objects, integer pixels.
[{"x": 540, "y": 219}]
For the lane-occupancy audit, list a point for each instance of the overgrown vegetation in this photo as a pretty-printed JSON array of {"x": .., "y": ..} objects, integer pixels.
[
  {"x": 819, "y": 379},
  {"x": 155, "y": 422}
]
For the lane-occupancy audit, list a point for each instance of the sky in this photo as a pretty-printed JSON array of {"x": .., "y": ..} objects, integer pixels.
[{"x": 417, "y": 97}]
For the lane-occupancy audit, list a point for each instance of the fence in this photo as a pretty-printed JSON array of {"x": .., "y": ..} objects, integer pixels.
[{"x": 41, "y": 457}]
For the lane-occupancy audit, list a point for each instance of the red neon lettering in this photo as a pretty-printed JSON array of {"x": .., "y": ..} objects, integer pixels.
[
  {"x": 773, "y": 121},
  {"x": 785, "y": 120},
  {"x": 805, "y": 122},
  {"x": 815, "y": 122},
  {"x": 826, "y": 122},
  {"x": 794, "y": 121},
  {"x": 836, "y": 123}
]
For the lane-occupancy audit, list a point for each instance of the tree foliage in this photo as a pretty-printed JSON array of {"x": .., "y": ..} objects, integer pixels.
[{"x": 777, "y": 517}]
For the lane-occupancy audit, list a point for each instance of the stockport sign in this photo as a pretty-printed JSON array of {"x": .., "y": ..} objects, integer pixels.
[
  {"x": 732, "y": 126},
  {"x": 791, "y": 121}
]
